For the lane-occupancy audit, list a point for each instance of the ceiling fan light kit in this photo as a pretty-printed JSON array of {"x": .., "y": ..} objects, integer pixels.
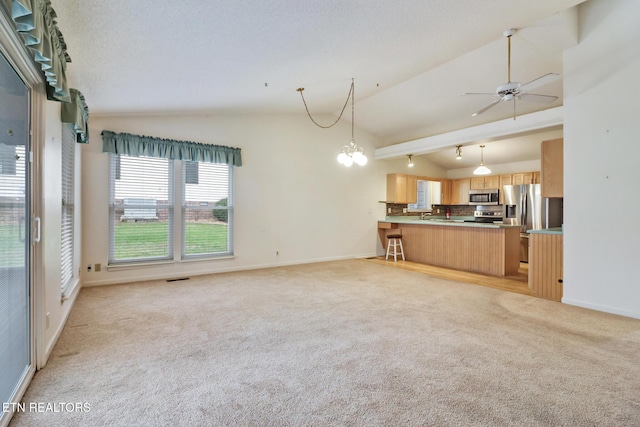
[{"x": 514, "y": 91}]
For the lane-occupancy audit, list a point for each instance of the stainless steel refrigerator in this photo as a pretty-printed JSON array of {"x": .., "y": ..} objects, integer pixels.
[{"x": 525, "y": 206}]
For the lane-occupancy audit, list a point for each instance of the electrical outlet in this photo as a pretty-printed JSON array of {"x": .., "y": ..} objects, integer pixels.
[
  {"x": 388, "y": 210},
  {"x": 97, "y": 267},
  {"x": 404, "y": 210}
]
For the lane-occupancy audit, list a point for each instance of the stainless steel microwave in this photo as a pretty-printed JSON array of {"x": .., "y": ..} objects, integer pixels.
[{"x": 490, "y": 196}]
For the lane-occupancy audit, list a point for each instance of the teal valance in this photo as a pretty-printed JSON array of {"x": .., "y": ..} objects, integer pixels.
[
  {"x": 35, "y": 20},
  {"x": 137, "y": 145},
  {"x": 77, "y": 113}
]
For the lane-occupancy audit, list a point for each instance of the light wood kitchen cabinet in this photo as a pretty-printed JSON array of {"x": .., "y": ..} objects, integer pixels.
[
  {"x": 460, "y": 191},
  {"x": 536, "y": 178},
  {"x": 445, "y": 188},
  {"x": 412, "y": 189},
  {"x": 522, "y": 178},
  {"x": 504, "y": 180},
  {"x": 546, "y": 265},
  {"x": 552, "y": 168},
  {"x": 402, "y": 188},
  {"x": 482, "y": 182},
  {"x": 492, "y": 181}
]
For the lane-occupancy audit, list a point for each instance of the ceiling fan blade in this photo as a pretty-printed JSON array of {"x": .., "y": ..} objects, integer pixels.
[
  {"x": 540, "y": 81},
  {"x": 544, "y": 99},
  {"x": 485, "y": 108}
]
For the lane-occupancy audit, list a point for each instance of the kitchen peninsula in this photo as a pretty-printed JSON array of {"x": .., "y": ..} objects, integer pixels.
[{"x": 470, "y": 246}]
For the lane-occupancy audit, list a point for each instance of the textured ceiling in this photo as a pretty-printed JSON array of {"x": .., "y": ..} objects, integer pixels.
[{"x": 411, "y": 59}]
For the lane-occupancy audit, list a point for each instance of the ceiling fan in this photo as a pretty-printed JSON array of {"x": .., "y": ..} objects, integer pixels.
[{"x": 512, "y": 91}]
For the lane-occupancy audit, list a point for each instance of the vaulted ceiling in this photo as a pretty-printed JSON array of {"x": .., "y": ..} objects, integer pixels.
[{"x": 411, "y": 59}]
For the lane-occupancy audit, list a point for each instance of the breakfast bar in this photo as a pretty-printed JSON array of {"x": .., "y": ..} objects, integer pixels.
[{"x": 476, "y": 247}]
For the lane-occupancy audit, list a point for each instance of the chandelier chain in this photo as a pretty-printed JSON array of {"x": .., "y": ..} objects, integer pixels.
[
  {"x": 349, "y": 95},
  {"x": 352, "y": 92}
]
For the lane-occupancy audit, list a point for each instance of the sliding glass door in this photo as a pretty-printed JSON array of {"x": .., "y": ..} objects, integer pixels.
[{"x": 15, "y": 224}]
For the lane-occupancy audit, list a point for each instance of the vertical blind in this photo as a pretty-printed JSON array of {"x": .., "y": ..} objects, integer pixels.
[{"x": 68, "y": 204}]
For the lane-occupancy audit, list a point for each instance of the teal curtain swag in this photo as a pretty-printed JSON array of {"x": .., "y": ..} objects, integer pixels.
[
  {"x": 137, "y": 145},
  {"x": 35, "y": 20},
  {"x": 77, "y": 113}
]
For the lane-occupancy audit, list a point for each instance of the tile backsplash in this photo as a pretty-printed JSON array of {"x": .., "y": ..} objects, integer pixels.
[{"x": 456, "y": 210}]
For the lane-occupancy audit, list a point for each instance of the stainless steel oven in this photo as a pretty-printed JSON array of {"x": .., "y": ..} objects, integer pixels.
[{"x": 490, "y": 196}]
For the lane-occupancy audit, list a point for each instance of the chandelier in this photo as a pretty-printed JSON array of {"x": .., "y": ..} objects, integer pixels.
[{"x": 351, "y": 153}]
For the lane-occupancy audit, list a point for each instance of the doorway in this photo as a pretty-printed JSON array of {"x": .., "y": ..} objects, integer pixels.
[{"x": 16, "y": 360}]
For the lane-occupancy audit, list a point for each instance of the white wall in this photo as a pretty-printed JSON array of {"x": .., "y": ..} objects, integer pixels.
[
  {"x": 421, "y": 167},
  {"x": 499, "y": 169},
  {"x": 51, "y": 201},
  {"x": 291, "y": 195},
  {"x": 601, "y": 154}
]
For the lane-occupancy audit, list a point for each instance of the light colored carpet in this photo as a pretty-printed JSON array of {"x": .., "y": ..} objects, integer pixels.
[{"x": 333, "y": 344}]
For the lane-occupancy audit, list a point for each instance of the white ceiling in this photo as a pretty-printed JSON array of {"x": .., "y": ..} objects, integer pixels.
[{"x": 411, "y": 59}]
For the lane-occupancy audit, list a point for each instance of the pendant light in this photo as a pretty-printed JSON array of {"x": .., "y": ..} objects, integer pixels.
[
  {"x": 410, "y": 162},
  {"x": 482, "y": 169},
  {"x": 458, "y": 152},
  {"x": 351, "y": 153}
]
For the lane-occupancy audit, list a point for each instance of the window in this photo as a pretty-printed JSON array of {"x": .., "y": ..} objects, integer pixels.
[
  {"x": 68, "y": 206},
  {"x": 207, "y": 210},
  {"x": 140, "y": 209},
  {"x": 142, "y": 214},
  {"x": 429, "y": 193}
]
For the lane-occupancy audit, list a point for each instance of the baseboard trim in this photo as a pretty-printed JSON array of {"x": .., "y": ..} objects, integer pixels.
[
  {"x": 163, "y": 276},
  {"x": 70, "y": 300},
  {"x": 599, "y": 307}
]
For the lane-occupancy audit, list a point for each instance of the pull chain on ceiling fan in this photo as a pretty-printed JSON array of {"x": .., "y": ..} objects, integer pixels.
[{"x": 512, "y": 91}]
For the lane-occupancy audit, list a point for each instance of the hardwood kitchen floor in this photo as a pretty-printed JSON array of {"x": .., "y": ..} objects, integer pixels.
[{"x": 517, "y": 283}]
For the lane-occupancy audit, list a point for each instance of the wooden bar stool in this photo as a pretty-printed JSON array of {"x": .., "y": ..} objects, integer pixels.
[{"x": 395, "y": 241}]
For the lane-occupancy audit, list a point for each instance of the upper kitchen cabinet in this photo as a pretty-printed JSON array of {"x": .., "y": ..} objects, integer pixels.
[
  {"x": 402, "y": 188},
  {"x": 460, "y": 191},
  {"x": 412, "y": 189},
  {"x": 482, "y": 182},
  {"x": 504, "y": 180},
  {"x": 552, "y": 168},
  {"x": 524, "y": 178},
  {"x": 446, "y": 187}
]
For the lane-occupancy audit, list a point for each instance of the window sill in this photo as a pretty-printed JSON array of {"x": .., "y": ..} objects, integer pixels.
[{"x": 69, "y": 290}]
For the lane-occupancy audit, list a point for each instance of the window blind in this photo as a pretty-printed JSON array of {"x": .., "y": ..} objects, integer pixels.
[
  {"x": 207, "y": 210},
  {"x": 141, "y": 209},
  {"x": 68, "y": 205}
]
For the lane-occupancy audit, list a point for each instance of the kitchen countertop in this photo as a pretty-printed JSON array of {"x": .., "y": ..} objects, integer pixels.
[
  {"x": 555, "y": 230},
  {"x": 454, "y": 221}
]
